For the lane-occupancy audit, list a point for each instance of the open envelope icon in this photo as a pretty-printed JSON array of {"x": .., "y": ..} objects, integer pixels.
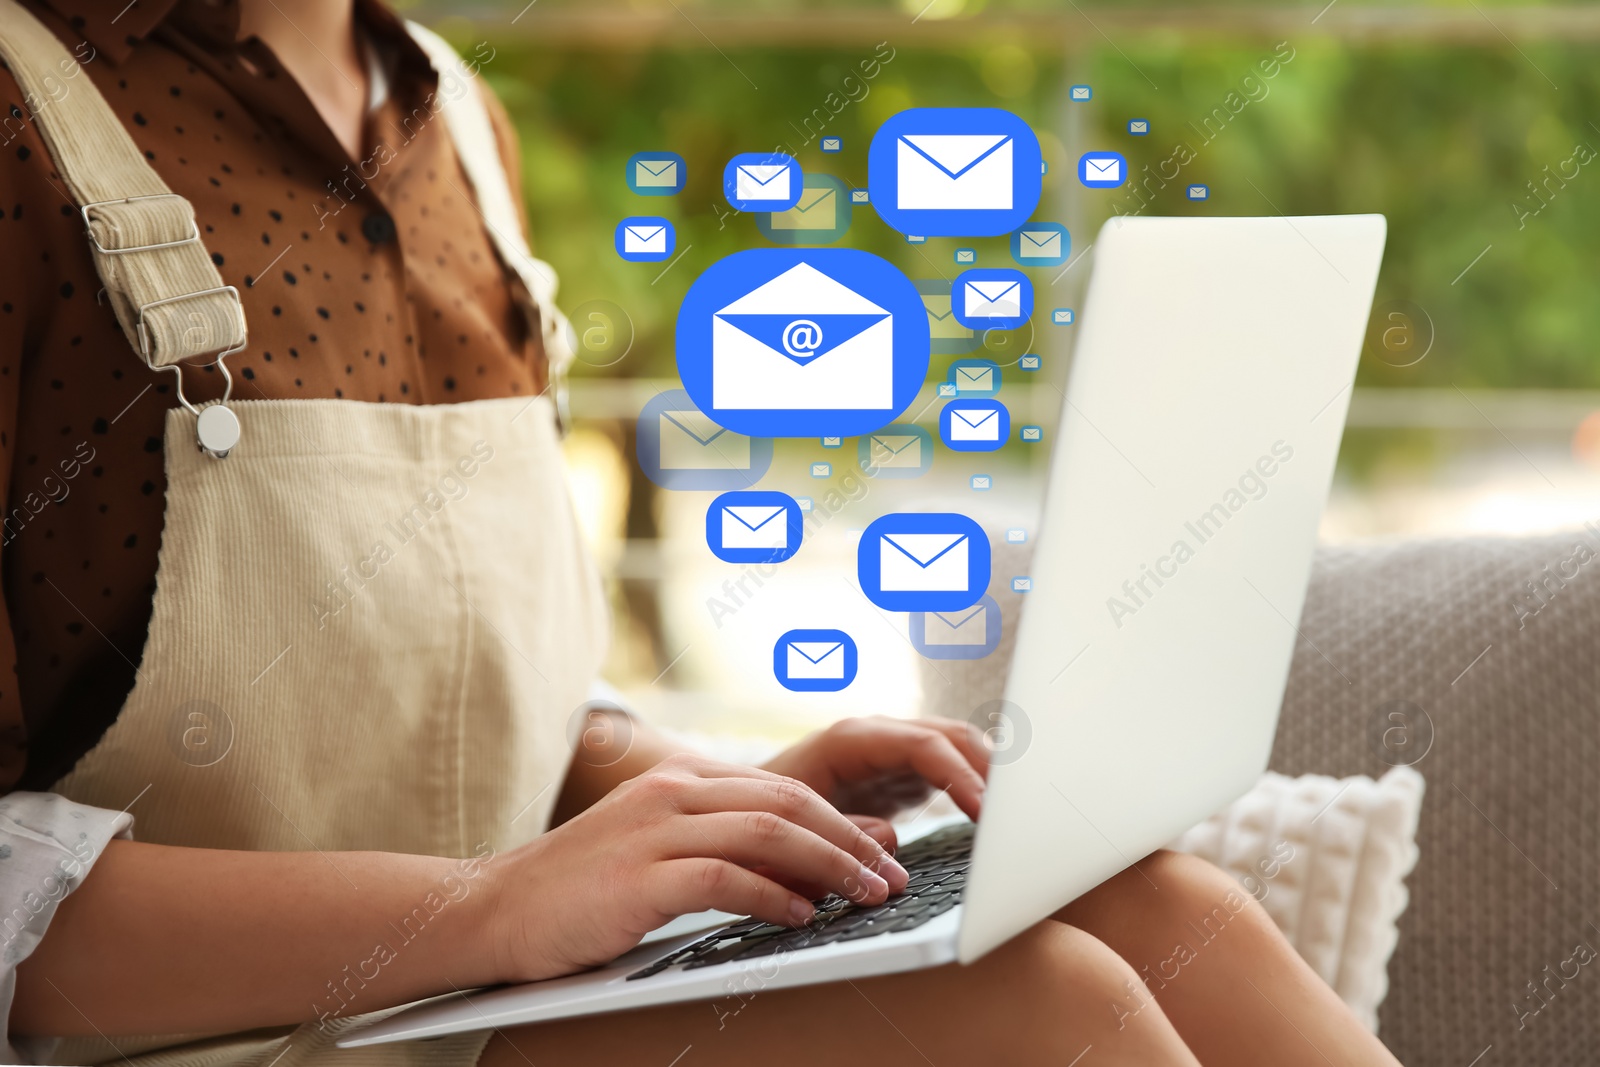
[
  {"x": 816, "y": 210},
  {"x": 754, "y": 526},
  {"x": 645, "y": 239},
  {"x": 655, "y": 173},
  {"x": 1042, "y": 244},
  {"x": 923, "y": 562},
  {"x": 761, "y": 181},
  {"x": 802, "y": 341},
  {"x": 954, "y": 172},
  {"x": 691, "y": 441},
  {"x": 993, "y": 299}
]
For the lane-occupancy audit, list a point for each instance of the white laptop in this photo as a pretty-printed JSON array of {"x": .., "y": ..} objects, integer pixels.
[{"x": 1194, "y": 453}]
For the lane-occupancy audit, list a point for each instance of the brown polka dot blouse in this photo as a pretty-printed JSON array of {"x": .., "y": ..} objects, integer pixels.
[{"x": 370, "y": 283}]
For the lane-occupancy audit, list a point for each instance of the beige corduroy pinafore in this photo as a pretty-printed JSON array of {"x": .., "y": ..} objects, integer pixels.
[{"x": 372, "y": 622}]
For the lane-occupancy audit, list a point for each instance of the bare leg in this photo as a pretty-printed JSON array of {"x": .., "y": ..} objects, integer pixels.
[
  {"x": 1040, "y": 999},
  {"x": 1231, "y": 984}
]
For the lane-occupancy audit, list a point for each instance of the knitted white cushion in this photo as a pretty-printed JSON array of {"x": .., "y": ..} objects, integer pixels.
[{"x": 1327, "y": 858}]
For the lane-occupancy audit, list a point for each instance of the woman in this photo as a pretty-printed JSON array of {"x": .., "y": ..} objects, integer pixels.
[{"x": 336, "y": 718}]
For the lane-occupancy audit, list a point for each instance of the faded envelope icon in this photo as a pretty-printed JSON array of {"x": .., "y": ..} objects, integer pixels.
[
  {"x": 822, "y": 470},
  {"x": 993, "y": 299},
  {"x": 966, "y": 255},
  {"x": 1138, "y": 126},
  {"x": 762, "y": 526},
  {"x": 849, "y": 366},
  {"x": 947, "y": 388},
  {"x": 1028, "y": 363},
  {"x": 896, "y": 451},
  {"x": 974, "y": 424},
  {"x": 1032, "y": 433},
  {"x": 942, "y": 324},
  {"x": 761, "y": 181},
  {"x": 1041, "y": 244},
  {"x": 923, "y": 562},
  {"x": 858, "y": 196},
  {"x": 1062, "y": 316},
  {"x": 1022, "y": 585},
  {"x": 691, "y": 441},
  {"x": 1016, "y": 535},
  {"x": 655, "y": 173},
  {"x": 645, "y": 239},
  {"x": 832, "y": 144},
  {"x": 815, "y": 659},
  {"x": 957, "y": 628},
  {"x": 982, "y": 481},
  {"x": 1199, "y": 192},
  {"x": 1081, "y": 92},
  {"x": 817, "y": 209},
  {"x": 975, "y": 379},
  {"x": 954, "y": 172}
]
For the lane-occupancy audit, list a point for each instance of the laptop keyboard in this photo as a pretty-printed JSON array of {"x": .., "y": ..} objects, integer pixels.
[{"x": 936, "y": 863}]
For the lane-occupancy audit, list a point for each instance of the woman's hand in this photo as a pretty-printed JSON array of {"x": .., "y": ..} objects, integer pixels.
[
  {"x": 688, "y": 835},
  {"x": 876, "y": 766}
]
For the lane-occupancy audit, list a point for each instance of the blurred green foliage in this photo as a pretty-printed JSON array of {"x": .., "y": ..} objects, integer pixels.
[{"x": 1442, "y": 138}]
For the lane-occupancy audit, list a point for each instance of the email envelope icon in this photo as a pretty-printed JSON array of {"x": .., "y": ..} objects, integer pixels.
[
  {"x": 942, "y": 322},
  {"x": 1022, "y": 585},
  {"x": 1028, "y": 363},
  {"x": 975, "y": 379},
  {"x": 1062, "y": 316},
  {"x": 821, "y": 470},
  {"x": 644, "y": 239},
  {"x": 832, "y": 442},
  {"x": 851, "y": 368},
  {"x": 816, "y": 210},
  {"x": 896, "y": 450},
  {"x": 754, "y": 527},
  {"x": 981, "y": 481},
  {"x": 974, "y": 424},
  {"x": 947, "y": 388},
  {"x": 1042, "y": 244},
  {"x": 757, "y": 181},
  {"x": 1102, "y": 168},
  {"x": 923, "y": 562},
  {"x": 1016, "y": 535},
  {"x": 957, "y": 628},
  {"x": 805, "y": 502},
  {"x": 832, "y": 144},
  {"x": 655, "y": 173},
  {"x": 993, "y": 299},
  {"x": 1032, "y": 433},
  {"x": 1138, "y": 126},
  {"x": 691, "y": 441},
  {"x": 954, "y": 172},
  {"x": 966, "y": 255},
  {"x": 815, "y": 659},
  {"x": 912, "y": 239},
  {"x": 1081, "y": 92},
  {"x": 858, "y": 196},
  {"x": 1198, "y": 192}
]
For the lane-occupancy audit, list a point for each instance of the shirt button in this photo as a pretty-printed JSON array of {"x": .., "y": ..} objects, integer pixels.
[{"x": 379, "y": 228}]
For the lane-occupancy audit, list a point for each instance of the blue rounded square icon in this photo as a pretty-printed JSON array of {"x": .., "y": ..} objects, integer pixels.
[
  {"x": 762, "y": 181},
  {"x": 680, "y": 448},
  {"x": 991, "y": 298},
  {"x": 656, "y": 173},
  {"x": 820, "y": 217},
  {"x": 822, "y": 342},
  {"x": 971, "y": 633},
  {"x": 955, "y": 171},
  {"x": 974, "y": 425},
  {"x": 814, "y": 661},
  {"x": 1041, "y": 244},
  {"x": 926, "y": 561},
  {"x": 761, "y": 527},
  {"x": 903, "y": 450},
  {"x": 645, "y": 239},
  {"x": 1102, "y": 170}
]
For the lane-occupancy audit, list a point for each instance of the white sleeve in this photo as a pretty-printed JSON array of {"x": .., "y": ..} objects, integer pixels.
[{"x": 47, "y": 845}]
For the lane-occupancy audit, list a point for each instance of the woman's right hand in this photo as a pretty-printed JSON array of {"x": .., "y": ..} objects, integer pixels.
[{"x": 688, "y": 835}]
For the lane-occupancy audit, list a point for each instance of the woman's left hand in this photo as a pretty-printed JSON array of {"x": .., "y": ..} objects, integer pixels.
[{"x": 876, "y": 766}]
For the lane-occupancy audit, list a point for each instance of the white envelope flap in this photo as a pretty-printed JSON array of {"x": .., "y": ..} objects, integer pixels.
[
  {"x": 799, "y": 291},
  {"x": 993, "y": 291},
  {"x": 657, "y": 167},
  {"x": 1041, "y": 238},
  {"x": 1104, "y": 167},
  {"x": 955, "y": 153},
  {"x": 894, "y": 444},
  {"x": 753, "y": 516},
  {"x": 695, "y": 424},
  {"x": 762, "y": 173},
  {"x": 644, "y": 233},
  {"x": 924, "y": 549},
  {"x": 816, "y": 651},
  {"x": 974, "y": 418}
]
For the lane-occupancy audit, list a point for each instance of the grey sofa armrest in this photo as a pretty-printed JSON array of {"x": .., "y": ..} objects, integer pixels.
[{"x": 1477, "y": 662}]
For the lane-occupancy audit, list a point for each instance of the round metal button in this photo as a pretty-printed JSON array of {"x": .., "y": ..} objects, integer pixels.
[{"x": 217, "y": 430}]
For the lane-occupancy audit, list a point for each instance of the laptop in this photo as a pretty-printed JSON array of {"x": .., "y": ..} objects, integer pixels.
[{"x": 1196, "y": 444}]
